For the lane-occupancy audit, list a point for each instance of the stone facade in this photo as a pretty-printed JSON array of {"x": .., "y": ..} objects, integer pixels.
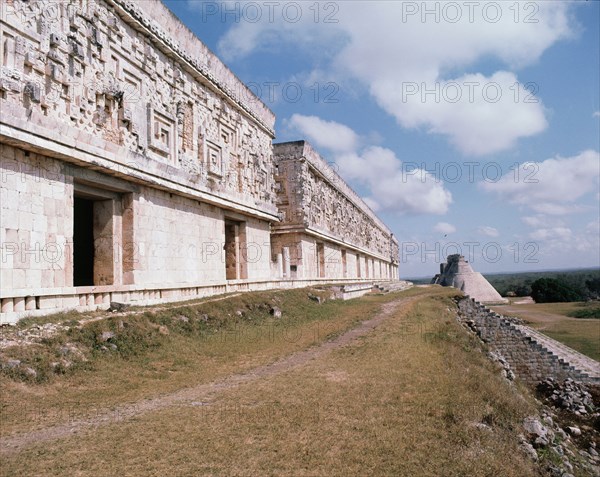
[
  {"x": 325, "y": 229},
  {"x": 135, "y": 166}
]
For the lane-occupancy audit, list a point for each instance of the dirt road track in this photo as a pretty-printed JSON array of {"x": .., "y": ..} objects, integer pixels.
[{"x": 205, "y": 393}]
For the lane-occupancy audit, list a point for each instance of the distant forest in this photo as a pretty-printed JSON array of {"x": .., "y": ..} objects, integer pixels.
[{"x": 584, "y": 282}]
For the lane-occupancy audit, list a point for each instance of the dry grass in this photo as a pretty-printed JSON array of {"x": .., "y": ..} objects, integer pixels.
[
  {"x": 563, "y": 309},
  {"x": 553, "y": 320},
  {"x": 404, "y": 400},
  {"x": 149, "y": 363}
]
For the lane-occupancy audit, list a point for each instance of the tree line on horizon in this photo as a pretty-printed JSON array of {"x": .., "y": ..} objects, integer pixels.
[{"x": 549, "y": 287}]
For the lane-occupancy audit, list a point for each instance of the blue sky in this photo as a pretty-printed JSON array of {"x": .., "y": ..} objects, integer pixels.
[{"x": 469, "y": 127}]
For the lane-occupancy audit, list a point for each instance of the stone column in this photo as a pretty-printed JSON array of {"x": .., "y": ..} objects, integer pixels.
[
  {"x": 286, "y": 262},
  {"x": 280, "y": 265}
]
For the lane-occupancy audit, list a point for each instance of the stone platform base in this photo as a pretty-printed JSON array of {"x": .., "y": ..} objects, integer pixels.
[{"x": 50, "y": 301}]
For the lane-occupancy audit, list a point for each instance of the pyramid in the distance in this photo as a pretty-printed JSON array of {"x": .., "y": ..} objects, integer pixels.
[{"x": 457, "y": 273}]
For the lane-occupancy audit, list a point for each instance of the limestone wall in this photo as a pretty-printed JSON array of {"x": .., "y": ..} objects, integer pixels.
[
  {"x": 532, "y": 356},
  {"x": 181, "y": 240},
  {"x": 125, "y": 86},
  {"x": 158, "y": 238},
  {"x": 311, "y": 195},
  {"x": 331, "y": 262},
  {"x": 36, "y": 221}
]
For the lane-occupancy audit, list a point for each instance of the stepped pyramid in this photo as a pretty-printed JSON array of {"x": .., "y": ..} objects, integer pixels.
[{"x": 457, "y": 273}]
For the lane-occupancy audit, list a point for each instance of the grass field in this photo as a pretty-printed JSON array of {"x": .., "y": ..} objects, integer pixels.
[
  {"x": 213, "y": 343},
  {"x": 555, "y": 320},
  {"x": 406, "y": 399}
]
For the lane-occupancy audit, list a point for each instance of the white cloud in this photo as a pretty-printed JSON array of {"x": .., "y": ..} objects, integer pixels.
[
  {"x": 551, "y": 186},
  {"x": 328, "y": 134},
  {"x": 555, "y": 233},
  {"x": 596, "y": 114},
  {"x": 444, "y": 228},
  {"x": 377, "y": 168},
  {"x": 471, "y": 120},
  {"x": 471, "y": 110},
  {"x": 593, "y": 227},
  {"x": 488, "y": 231},
  {"x": 563, "y": 240},
  {"x": 381, "y": 171},
  {"x": 541, "y": 221},
  {"x": 552, "y": 237},
  {"x": 270, "y": 28},
  {"x": 372, "y": 203}
]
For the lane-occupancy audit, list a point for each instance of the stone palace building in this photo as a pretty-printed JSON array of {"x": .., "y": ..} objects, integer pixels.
[{"x": 135, "y": 167}]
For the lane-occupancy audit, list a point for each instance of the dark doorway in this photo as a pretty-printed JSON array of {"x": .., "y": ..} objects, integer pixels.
[
  {"x": 236, "y": 260},
  {"x": 83, "y": 242},
  {"x": 231, "y": 251}
]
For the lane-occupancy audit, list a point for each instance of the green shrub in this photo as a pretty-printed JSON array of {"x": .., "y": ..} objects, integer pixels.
[{"x": 551, "y": 290}]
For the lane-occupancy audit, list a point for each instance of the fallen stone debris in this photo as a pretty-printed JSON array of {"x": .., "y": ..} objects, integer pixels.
[
  {"x": 501, "y": 360},
  {"x": 565, "y": 439},
  {"x": 570, "y": 396}
]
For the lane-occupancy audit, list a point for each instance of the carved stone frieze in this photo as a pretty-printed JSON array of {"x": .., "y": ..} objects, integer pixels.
[
  {"x": 312, "y": 195},
  {"x": 110, "y": 69}
]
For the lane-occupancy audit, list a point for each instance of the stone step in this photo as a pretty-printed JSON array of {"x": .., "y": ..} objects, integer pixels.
[
  {"x": 579, "y": 362},
  {"x": 397, "y": 285}
]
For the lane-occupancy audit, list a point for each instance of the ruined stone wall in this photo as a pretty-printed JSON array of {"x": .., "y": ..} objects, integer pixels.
[
  {"x": 331, "y": 261},
  {"x": 129, "y": 86},
  {"x": 312, "y": 195},
  {"x": 114, "y": 109},
  {"x": 532, "y": 357},
  {"x": 257, "y": 249},
  {"x": 351, "y": 260},
  {"x": 303, "y": 250},
  {"x": 116, "y": 104}
]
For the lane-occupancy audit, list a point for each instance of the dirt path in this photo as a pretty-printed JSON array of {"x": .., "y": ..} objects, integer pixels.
[{"x": 203, "y": 393}]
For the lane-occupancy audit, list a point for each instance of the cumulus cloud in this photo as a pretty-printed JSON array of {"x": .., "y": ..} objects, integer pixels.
[
  {"x": 554, "y": 233},
  {"x": 560, "y": 240},
  {"x": 391, "y": 189},
  {"x": 270, "y": 26},
  {"x": 596, "y": 114},
  {"x": 435, "y": 86},
  {"x": 371, "y": 203},
  {"x": 328, "y": 134},
  {"x": 540, "y": 221},
  {"x": 553, "y": 237},
  {"x": 467, "y": 109},
  {"x": 377, "y": 168},
  {"x": 593, "y": 227},
  {"x": 552, "y": 186},
  {"x": 444, "y": 228},
  {"x": 488, "y": 231}
]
